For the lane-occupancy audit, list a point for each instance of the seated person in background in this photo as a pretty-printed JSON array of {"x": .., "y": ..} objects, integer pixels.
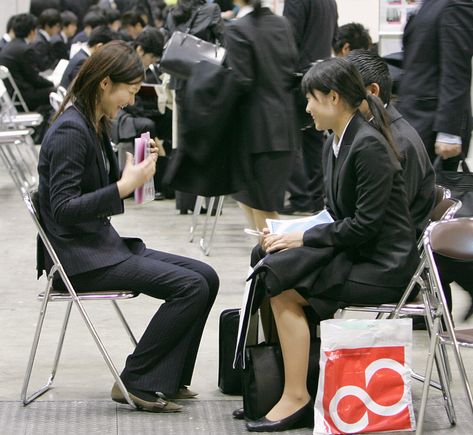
[
  {"x": 99, "y": 36},
  {"x": 349, "y": 37},
  {"x": 132, "y": 25},
  {"x": 91, "y": 21},
  {"x": 79, "y": 188},
  {"x": 114, "y": 19},
  {"x": 9, "y": 35},
  {"x": 62, "y": 41},
  {"x": 19, "y": 57},
  {"x": 418, "y": 172},
  {"x": 50, "y": 24},
  {"x": 367, "y": 255}
]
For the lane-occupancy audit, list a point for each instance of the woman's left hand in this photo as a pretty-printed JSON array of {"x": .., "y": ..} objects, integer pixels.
[{"x": 278, "y": 242}]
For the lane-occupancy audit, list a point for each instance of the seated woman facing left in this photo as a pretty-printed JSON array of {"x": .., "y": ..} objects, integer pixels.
[
  {"x": 79, "y": 188},
  {"x": 367, "y": 255}
]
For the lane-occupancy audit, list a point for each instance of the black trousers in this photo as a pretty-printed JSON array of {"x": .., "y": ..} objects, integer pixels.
[{"x": 165, "y": 356}]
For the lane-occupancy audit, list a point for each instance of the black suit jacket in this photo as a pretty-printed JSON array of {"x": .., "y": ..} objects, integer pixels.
[
  {"x": 263, "y": 55},
  {"x": 77, "y": 196},
  {"x": 61, "y": 47},
  {"x": 418, "y": 172},
  {"x": 73, "y": 67},
  {"x": 367, "y": 199},
  {"x": 19, "y": 57},
  {"x": 434, "y": 94},
  {"x": 314, "y": 23},
  {"x": 45, "y": 56}
]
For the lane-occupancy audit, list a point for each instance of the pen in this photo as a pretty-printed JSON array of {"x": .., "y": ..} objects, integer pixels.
[{"x": 253, "y": 232}]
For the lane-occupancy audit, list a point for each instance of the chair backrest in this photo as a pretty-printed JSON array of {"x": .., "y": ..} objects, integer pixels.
[
  {"x": 7, "y": 108},
  {"x": 445, "y": 209},
  {"x": 441, "y": 193},
  {"x": 20, "y": 157},
  {"x": 16, "y": 98},
  {"x": 452, "y": 238}
]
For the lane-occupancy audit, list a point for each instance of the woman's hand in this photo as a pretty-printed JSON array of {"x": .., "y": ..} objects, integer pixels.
[
  {"x": 135, "y": 176},
  {"x": 278, "y": 242}
]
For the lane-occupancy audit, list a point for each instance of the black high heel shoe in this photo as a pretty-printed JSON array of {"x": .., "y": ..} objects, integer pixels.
[{"x": 302, "y": 418}]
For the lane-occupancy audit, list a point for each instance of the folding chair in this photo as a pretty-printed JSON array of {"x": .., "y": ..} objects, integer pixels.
[
  {"x": 17, "y": 169},
  {"x": 453, "y": 239},
  {"x": 71, "y": 297},
  {"x": 209, "y": 228},
  {"x": 9, "y": 116}
]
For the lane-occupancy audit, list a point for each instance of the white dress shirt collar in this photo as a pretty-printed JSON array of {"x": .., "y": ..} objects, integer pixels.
[{"x": 336, "y": 144}]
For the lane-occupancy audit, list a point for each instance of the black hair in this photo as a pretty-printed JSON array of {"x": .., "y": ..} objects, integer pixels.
[
  {"x": 183, "y": 10},
  {"x": 94, "y": 19},
  {"x": 49, "y": 17},
  {"x": 353, "y": 33},
  {"x": 116, "y": 60},
  {"x": 24, "y": 24},
  {"x": 339, "y": 75},
  {"x": 102, "y": 35},
  {"x": 10, "y": 22},
  {"x": 132, "y": 18},
  {"x": 38, "y": 6},
  {"x": 68, "y": 17},
  {"x": 151, "y": 40},
  {"x": 373, "y": 69},
  {"x": 112, "y": 15}
]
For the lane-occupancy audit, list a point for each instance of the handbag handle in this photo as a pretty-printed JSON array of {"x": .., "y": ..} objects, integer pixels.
[{"x": 465, "y": 167}]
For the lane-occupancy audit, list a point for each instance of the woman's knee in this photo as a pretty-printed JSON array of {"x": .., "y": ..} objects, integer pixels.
[{"x": 287, "y": 297}]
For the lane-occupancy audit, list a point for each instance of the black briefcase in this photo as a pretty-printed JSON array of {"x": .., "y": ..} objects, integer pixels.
[{"x": 229, "y": 379}]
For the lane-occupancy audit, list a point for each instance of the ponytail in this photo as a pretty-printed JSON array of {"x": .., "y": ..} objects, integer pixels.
[{"x": 381, "y": 121}]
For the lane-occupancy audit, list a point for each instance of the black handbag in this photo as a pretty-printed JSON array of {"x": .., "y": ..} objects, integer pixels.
[
  {"x": 184, "y": 50},
  {"x": 460, "y": 185},
  {"x": 263, "y": 377}
]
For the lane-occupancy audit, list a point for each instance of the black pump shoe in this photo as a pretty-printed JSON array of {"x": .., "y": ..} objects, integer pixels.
[{"x": 302, "y": 418}]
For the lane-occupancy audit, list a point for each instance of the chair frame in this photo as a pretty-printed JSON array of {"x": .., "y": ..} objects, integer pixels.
[{"x": 28, "y": 191}]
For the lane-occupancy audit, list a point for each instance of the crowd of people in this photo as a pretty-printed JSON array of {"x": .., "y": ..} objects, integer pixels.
[{"x": 315, "y": 121}]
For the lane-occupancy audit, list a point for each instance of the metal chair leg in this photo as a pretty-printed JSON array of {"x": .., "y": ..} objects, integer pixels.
[
  {"x": 195, "y": 217},
  {"x": 206, "y": 245},
  {"x": 125, "y": 323}
]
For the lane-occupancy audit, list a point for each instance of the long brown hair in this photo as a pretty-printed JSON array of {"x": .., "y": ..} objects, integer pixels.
[{"x": 116, "y": 60}]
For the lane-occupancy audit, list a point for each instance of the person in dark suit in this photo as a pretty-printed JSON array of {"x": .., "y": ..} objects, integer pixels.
[
  {"x": 418, "y": 172},
  {"x": 50, "y": 24},
  {"x": 434, "y": 93},
  {"x": 100, "y": 36},
  {"x": 79, "y": 189},
  {"x": 372, "y": 239},
  {"x": 314, "y": 23},
  {"x": 19, "y": 57},
  {"x": 263, "y": 56},
  {"x": 9, "y": 35},
  {"x": 62, "y": 41},
  {"x": 351, "y": 36}
]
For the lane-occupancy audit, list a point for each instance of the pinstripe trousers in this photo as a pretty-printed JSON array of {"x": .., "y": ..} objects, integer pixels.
[{"x": 165, "y": 356}]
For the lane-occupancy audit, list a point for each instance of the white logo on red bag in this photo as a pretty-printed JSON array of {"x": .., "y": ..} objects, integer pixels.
[{"x": 364, "y": 390}]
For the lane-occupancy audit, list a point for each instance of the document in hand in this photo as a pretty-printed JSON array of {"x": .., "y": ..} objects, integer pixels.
[
  {"x": 146, "y": 192},
  {"x": 279, "y": 226}
]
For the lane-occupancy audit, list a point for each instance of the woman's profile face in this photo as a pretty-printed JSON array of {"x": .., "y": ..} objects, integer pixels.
[
  {"x": 322, "y": 109},
  {"x": 115, "y": 96}
]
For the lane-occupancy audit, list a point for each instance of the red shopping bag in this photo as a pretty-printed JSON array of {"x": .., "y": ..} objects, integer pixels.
[{"x": 364, "y": 383}]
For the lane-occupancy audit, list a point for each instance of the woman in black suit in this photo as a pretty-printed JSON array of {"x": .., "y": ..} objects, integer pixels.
[
  {"x": 263, "y": 55},
  {"x": 79, "y": 189},
  {"x": 368, "y": 251}
]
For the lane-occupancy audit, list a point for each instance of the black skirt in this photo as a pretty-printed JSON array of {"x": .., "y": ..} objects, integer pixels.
[{"x": 267, "y": 181}]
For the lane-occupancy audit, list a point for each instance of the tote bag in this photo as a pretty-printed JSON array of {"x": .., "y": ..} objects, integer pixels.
[{"x": 364, "y": 380}]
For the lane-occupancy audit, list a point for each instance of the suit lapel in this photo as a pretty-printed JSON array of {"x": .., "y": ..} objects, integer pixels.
[{"x": 330, "y": 161}]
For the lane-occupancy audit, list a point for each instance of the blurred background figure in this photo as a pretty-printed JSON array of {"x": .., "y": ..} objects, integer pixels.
[
  {"x": 349, "y": 37},
  {"x": 9, "y": 35},
  {"x": 62, "y": 41},
  {"x": 50, "y": 24}
]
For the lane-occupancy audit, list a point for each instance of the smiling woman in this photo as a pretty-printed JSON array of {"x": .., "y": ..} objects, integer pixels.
[{"x": 79, "y": 188}]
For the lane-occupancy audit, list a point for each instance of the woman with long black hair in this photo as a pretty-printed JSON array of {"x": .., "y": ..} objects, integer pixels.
[
  {"x": 369, "y": 250},
  {"x": 79, "y": 189}
]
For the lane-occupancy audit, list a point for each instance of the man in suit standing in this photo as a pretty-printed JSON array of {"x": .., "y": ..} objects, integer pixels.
[
  {"x": 434, "y": 94},
  {"x": 19, "y": 57},
  {"x": 314, "y": 23}
]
